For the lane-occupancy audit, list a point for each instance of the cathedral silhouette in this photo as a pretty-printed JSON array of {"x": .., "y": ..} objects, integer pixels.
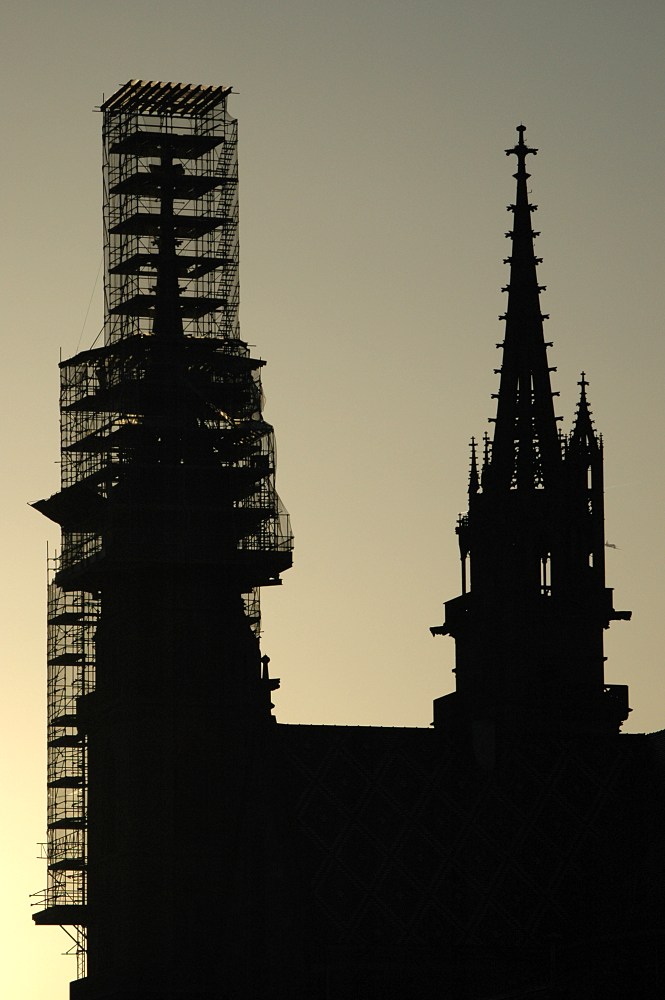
[{"x": 200, "y": 850}]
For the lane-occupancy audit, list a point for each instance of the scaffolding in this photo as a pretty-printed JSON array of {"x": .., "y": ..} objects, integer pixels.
[
  {"x": 114, "y": 422},
  {"x": 166, "y": 457},
  {"x": 203, "y": 137},
  {"x": 72, "y": 620},
  {"x": 120, "y": 402}
]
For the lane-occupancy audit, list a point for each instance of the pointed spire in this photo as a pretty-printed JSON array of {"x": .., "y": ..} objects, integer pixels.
[
  {"x": 474, "y": 481},
  {"x": 583, "y": 436},
  {"x": 525, "y": 452},
  {"x": 484, "y": 472}
]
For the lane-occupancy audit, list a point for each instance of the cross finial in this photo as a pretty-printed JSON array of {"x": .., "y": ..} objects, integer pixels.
[
  {"x": 521, "y": 150},
  {"x": 583, "y": 383}
]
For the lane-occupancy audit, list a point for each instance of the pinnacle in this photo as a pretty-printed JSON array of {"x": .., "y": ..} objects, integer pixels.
[{"x": 525, "y": 451}]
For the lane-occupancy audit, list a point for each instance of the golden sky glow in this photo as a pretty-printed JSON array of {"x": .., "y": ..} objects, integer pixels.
[{"x": 373, "y": 188}]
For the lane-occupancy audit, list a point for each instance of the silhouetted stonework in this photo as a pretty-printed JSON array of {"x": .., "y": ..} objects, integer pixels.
[{"x": 513, "y": 850}]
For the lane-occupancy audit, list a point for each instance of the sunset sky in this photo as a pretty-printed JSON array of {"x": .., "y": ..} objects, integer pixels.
[{"x": 373, "y": 188}]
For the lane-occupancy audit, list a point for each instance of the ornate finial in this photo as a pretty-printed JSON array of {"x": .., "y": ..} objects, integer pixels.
[
  {"x": 521, "y": 150},
  {"x": 583, "y": 433},
  {"x": 583, "y": 403}
]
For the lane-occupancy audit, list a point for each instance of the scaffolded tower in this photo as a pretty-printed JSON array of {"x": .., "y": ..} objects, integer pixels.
[{"x": 170, "y": 525}]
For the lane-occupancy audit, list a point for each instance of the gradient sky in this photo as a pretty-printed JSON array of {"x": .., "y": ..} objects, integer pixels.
[{"x": 373, "y": 188}]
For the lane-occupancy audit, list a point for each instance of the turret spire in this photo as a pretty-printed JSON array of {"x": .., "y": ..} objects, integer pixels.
[
  {"x": 583, "y": 436},
  {"x": 474, "y": 480},
  {"x": 525, "y": 452}
]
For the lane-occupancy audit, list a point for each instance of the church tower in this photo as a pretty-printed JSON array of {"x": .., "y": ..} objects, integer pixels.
[
  {"x": 159, "y": 699},
  {"x": 528, "y": 625}
]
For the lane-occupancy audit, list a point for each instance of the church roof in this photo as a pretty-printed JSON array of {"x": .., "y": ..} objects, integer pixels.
[{"x": 403, "y": 842}]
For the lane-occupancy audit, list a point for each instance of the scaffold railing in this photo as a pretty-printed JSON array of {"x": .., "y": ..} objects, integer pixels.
[
  {"x": 72, "y": 620},
  {"x": 206, "y": 219},
  {"x": 166, "y": 459}
]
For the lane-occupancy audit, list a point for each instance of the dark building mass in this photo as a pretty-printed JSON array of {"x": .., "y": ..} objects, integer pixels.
[{"x": 199, "y": 850}]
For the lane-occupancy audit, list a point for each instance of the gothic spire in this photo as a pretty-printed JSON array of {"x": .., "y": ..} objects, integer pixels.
[
  {"x": 528, "y": 625},
  {"x": 525, "y": 452},
  {"x": 474, "y": 480},
  {"x": 583, "y": 436}
]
